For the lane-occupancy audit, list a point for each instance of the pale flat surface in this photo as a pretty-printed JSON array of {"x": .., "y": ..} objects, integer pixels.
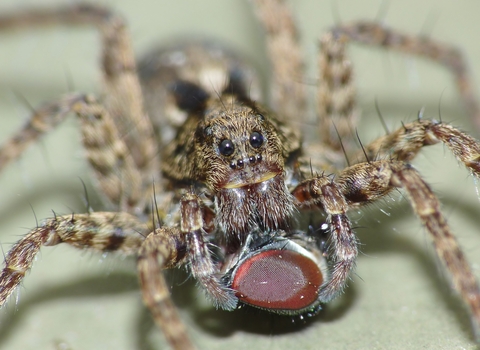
[{"x": 398, "y": 300}]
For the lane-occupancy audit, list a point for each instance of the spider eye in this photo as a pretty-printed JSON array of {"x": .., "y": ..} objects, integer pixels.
[
  {"x": 226, "y": 147},
  {"x": 256, "y": 139}
]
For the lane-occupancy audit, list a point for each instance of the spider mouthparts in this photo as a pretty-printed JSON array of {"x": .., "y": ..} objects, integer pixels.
[{"x": 237, "y": 183}]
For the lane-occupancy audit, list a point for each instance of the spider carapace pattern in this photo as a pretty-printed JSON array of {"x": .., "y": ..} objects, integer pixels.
[{"x": 201, "y": 174}]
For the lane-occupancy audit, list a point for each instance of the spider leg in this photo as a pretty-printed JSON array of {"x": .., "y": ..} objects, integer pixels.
[
  {"x": 427, "y": 207},
  {"x": 445, "y": 55},
  {"x": 327, "y": 194},
  {"x": 100, "y": 231},
  {"x": 123, "y": 96},
  {"x": 162, "y": 249},
  {"x": 118, "y": 177},
  {"x": 336, "y": 94},
  {"x": 168, "y": 247},
  {"x": 405, "y": 143},
  {"x": 366, "y": 182},
  {"x": 288, "y": 94},
  {"x": 200, "y": 259}
]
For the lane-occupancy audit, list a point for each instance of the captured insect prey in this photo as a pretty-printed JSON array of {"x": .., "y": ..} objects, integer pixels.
[{"x": 289, "y": 174}]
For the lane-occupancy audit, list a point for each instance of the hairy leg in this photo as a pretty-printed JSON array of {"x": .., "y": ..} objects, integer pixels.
[
  {"x": 123, "y": 97},
  {"x": 100, "y": 231}
]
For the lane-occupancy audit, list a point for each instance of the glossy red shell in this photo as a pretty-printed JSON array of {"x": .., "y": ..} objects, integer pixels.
[{"x": 278, "y": 279}]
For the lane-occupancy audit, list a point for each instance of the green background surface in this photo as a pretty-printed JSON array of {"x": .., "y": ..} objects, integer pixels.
[{"x": 398, "y": 298}]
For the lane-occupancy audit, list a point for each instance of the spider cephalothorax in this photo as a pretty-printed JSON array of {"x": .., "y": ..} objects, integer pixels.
[{"x": 230, "y": 144}]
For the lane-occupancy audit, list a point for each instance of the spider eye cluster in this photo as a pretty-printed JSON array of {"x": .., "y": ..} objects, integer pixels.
[{"x": 227, "y": 148}]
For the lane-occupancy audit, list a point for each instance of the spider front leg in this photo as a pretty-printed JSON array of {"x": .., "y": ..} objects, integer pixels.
[
  {"x": 364, "y": 183},
  {"x": 327, "y": 194},
  {"x": 168, "y": 247},
  {"x": 162, "y": 249},
  {"x": 405, "y": 143},
  {"x": 100, "y": 231},
  {"x": 199, "y": 256}
]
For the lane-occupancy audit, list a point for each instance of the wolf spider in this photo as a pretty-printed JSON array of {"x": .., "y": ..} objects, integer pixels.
[{"x": 127, "y": 199}]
